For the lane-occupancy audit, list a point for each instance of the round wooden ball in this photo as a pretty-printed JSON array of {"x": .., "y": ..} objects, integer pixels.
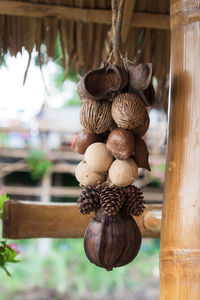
[
  {"x": 123, "y": 172},
  {"x": 97, "y": 157},
  {"x": 86, "y": 176}
]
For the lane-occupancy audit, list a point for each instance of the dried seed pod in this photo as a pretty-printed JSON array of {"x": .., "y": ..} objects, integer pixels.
[
  {"x": 123, "y": 172},
  {"x": 140, "y": 76},
  {"x": 83, "y": 95},
  {"x": 111, "y": 242},
  {"x": 85, "y": 139},
  {"x": 97, "y": 157},
  {"x": 121, "y": 75},
  {"x": 86, "y": 176},
  {"x": 120, "y": 143},
  {"x": 128, "y": 111},
  {"x": 89, "y": 199},
  {"x": 141, "y": 155},
  {"x": 141, "y": 129},
  {"x": 99, "y": 83},
  {"x": 111, "y": 200},
  {"x": 149, "y": 96},
  {"x": 95, "y": 116},
  {"x": 134, "y": 200}
]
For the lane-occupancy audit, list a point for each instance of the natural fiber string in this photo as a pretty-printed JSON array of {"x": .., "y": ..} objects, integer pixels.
[{"x": 117, "y": 16}]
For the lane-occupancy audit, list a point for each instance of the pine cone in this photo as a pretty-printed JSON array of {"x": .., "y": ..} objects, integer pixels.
[
  {"x": 134, "y": 200},
  {"x": 89, "y": 199},
  {"x": 111, "y": 200}
]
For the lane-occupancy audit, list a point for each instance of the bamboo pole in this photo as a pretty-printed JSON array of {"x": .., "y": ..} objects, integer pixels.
[
  {"x": 180, "y": 233},
  {"x": 26, "y": 219}
]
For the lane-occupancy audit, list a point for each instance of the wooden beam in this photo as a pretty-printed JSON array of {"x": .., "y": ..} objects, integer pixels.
[
  {"x": 56, "y": 154},
  {"x": 100, "y": 16},
  {"x": 180, "y": 234},
  {"x": 35, "y": 219},
  {"x": 127, "y": 17},
  {"x": 37, "y": 191},
  {"x": 61, "y": 191}
]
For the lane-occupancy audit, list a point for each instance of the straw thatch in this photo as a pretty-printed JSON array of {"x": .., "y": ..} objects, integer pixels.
[{"x": 84, "y": 43}]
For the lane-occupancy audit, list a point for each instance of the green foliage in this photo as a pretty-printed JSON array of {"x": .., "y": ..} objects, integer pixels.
[
  {"x": 65, "y": 267},
  {"x": 38, "y": 164},
  {"x": 3, "y": 198},
  {"x": 7, "y": 255}
]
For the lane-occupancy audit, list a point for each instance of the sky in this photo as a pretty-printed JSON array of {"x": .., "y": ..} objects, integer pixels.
[{"x": 25, "y": 101}]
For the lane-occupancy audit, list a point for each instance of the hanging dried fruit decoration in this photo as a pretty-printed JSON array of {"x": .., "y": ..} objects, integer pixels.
[{"x": 114, "y": 117}]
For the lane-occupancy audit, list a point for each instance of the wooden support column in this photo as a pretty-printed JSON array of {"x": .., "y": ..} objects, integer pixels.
[{"x": 180, "y": 231}]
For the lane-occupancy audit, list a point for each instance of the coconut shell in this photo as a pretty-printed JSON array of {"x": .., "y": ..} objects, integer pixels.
[
  {"x": 123, "y": 172},
  {"x": 86, "y": 176},
  {"x": 141, "y": 129},
  {"x": 120, "y": 143},
  {"x": 141, "y": 155},
  {"x": 128, "y": 111},
  {"x": 148, "y": 96},
  {"x": 85, "y": 139},
  {"x": 95, "y": 116},
  {"x": 100, "y": 83},
  {"x": 83, "y": 95},
  {"x": 140, "y": 76}
]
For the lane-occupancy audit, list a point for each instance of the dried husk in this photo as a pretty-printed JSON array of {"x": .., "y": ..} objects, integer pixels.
[
  {"x": 141, "y": 129},
  {"x": 148, "y": 96},
  {"x": 100, "y": 83},
  {"x": 112, "y": 241},
  {"x": 128, "y": 111},
  {"x": 140, "y": 76},
  {"x": 141, "y": 155},
  {"x": 95, "y": 116},
  {"x": 83, "y": 95}
]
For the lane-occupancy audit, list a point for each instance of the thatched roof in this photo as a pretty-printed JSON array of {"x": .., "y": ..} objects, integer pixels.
[{"x": 83, "y": 27}]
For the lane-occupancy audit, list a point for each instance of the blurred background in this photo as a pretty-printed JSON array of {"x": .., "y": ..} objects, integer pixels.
[{"x": 39, "y": 116}]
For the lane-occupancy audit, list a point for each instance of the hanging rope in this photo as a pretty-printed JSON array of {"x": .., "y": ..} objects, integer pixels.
[{"x": 117, "y": 16}]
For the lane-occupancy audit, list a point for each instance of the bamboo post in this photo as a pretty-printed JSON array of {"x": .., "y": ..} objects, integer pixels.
[{"x": 180, "y": 233}]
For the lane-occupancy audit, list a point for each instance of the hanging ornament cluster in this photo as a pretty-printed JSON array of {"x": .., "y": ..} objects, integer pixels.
[{"x": 115, "y": 118}]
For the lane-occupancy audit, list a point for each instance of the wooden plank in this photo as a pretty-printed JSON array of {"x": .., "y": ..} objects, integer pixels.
[
  {"x": 61, "y": 191},
  {"x": 56, "y": 154},
  {"x": 41, "y": 127},
  {"x": 37, "y": 191},
  {"x": 101, "y": 16},
  {"x": 35, "y": 219},
  {"x": 180, "y": 237}
]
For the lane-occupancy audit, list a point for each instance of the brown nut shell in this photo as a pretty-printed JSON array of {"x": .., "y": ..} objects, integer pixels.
[
  {"x": 99, "y": 83},
  {"x": 128, "y": 111},
  {"x": 140, "y": 76},
  {"x": 120, "y": 143},
  {"x": 85, "y": 139},
  {"x": 95, "y": 116},
  {"x": 141, "y": 129},
  {"x": 112, "y": 241},
  {"x": 141, "y": 155}
]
